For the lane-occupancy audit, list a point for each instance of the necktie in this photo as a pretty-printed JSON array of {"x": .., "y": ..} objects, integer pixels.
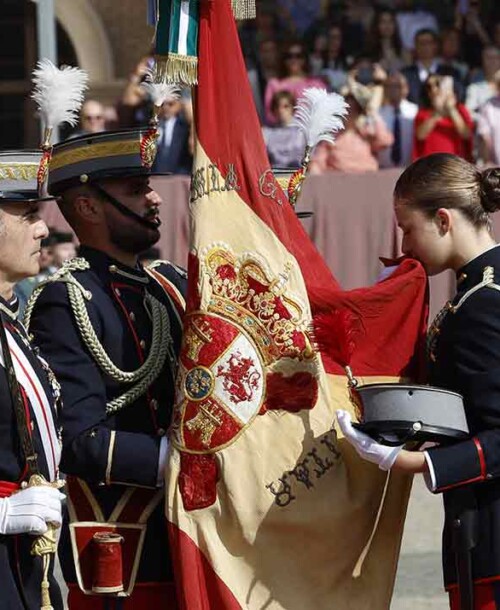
[{"x": 396, "y": 147}]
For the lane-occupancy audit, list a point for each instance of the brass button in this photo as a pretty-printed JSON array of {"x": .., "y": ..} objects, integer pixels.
[
  {"x": 132, "y": 316},
  {"x": 489, "y": 475},
  {"x": 32, "y": 425},
  {"x": 117, "y": 292},
  {"x": 154, "y": 404},
  {"x": 112, "y": 268},
  {"x": 142, "y": 343},
  {"x": 161, "y": 432}
]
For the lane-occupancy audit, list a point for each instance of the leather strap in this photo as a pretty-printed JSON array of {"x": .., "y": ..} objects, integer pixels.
[{"x": 123, "y": 208}]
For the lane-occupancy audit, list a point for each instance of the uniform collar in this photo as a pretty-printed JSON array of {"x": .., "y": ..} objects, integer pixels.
[
  {"x": 472, "y": 272},
  {"x": 10, "y": 309},
  {"x": 112, "y": 270}
]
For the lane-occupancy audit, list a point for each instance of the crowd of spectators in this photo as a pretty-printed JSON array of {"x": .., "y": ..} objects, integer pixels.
[{"x": 419, "y": 76}]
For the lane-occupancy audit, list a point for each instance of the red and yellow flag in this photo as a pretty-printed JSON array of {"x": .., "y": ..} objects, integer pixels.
[{"x": 267, "y": 506}]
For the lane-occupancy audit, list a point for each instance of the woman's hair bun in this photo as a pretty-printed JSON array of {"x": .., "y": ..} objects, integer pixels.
[{"x": 490, "y": 189}]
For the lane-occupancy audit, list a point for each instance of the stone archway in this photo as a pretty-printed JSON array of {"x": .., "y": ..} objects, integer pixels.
[{"x": 87, "y": 34}]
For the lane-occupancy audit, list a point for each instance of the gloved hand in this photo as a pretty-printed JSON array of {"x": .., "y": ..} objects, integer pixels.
[
  {"x": 29, "y": 510},
  {"x": 365, "y": 446}
]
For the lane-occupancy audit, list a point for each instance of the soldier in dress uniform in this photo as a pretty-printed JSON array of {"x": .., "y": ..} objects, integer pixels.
[
  {"x": 29, "y": 444},
  {"x": 443, "y": 206},
  {"x": 111, "y": 331}
]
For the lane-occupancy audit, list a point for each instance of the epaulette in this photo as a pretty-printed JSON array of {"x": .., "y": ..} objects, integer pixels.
[
  {"x": 488, "y": 281},
  {"x": 172, "y": 291},
  {"x": 64, "y": 274},
  {"x": 182, "y": 272}
]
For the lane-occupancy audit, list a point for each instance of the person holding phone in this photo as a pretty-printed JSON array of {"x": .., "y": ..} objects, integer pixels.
[{"x": 442, "y": 124}]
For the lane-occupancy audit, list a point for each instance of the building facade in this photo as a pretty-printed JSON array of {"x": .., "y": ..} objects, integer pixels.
[{"x": 105, "y": 37}]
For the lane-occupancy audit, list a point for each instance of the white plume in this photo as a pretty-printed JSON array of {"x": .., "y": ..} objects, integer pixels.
[
  {"x": 159, "y": 91},
  {"x": 59, "y": 93},
  {"x": 320, "y": 115}
]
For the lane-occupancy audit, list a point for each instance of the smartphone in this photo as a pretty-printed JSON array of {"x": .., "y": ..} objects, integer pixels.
[{"x": 446, "y": 85}]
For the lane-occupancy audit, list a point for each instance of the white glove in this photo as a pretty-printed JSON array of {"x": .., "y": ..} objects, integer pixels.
[
  {"x": 365, "y": 446},
  {"x": 28, "y": 511}
]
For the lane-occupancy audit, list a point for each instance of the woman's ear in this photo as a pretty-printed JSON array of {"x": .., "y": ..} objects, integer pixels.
[{"x": 444, "y": 220}]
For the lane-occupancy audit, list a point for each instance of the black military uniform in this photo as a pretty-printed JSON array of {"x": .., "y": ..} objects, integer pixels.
[
  {"x": 465, "y": 358},
  {"x": 112, "y": 334},
  {"x": 20, "y": 571}
]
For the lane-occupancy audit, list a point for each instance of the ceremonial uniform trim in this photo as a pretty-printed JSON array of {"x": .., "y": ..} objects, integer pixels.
[
  {"x": 172, "y": 292},
  {"x": 482, "y": 460},
  {"x": 18, "y": 171},
  {"x": 39, "y": 403},
  {"x": 112, "y": 438},
  {"x": 94, "y": 151}
]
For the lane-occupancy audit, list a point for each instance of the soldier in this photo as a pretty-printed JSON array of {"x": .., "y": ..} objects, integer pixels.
[
  {"x": 111, "y": 330},
  {"x": 443, "y": 205},
  {"x": 29, "y": 445}
]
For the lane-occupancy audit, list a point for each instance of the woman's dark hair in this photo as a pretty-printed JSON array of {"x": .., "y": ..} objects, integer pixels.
[
  {"x": 285, "y": 52},
  {"x": 425, "y": 100},
  {"x": 374, "y": 42},
  {"x": 443, "y": 180}
]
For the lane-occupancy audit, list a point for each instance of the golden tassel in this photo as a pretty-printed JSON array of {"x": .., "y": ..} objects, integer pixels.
[
  {"x": 178, "y": 69},
  {"x": 244, "y": 9},
  {"x": 45, "y": 545}
]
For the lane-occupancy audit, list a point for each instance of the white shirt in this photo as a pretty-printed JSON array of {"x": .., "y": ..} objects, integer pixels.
[
  {"x": 408, "y": 112},
  {"x": 424, "y": 73},
  {"x": 477, "y": 95}
]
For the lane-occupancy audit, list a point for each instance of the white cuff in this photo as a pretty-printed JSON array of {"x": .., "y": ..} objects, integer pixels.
[
  {"x": 162, "y": 461},
  {"x": 430, "y": 477}
]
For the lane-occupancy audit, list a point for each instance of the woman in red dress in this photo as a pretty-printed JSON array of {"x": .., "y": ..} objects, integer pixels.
[{"x": 442, "y": 124}]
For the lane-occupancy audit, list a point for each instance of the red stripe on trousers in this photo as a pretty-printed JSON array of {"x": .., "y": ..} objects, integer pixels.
[{"x": 484, "y": 597}]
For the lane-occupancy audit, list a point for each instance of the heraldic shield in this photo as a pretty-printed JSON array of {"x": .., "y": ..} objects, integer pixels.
[{"x": 247, "y": 351}]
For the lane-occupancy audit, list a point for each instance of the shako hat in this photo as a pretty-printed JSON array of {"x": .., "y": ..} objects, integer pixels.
[{"x": 106, "y": 154}]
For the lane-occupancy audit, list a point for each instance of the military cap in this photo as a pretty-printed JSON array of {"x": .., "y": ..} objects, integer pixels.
[
  {"x": 18, "y": 176},
  {"x": 106, "y": 154}
]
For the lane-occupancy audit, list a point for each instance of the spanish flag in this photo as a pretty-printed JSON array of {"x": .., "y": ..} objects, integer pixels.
[{"x": 267, "y": 506}]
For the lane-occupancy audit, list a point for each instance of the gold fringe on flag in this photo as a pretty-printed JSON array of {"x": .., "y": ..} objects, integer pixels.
[
  {"x": 244, "y": 9},
  {"x": 177, "y": 69}
]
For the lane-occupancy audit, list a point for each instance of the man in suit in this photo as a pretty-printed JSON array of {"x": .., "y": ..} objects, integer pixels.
[
  {"x": 174, "y": 155},
  {"x": 427, "y": 63},
  {"x": 398, "y": 113}
]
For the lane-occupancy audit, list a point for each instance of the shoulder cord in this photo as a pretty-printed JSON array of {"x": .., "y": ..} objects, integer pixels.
[
  {"x": 161, "y": 343},
  {"x": 488, "y": 281}
]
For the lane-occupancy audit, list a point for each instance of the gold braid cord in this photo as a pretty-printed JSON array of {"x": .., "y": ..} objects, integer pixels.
[
  {"x": 45, "y": 546},
  {"x": 161, "y": 343}
]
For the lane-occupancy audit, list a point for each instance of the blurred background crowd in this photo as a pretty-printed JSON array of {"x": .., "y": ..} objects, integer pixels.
[{"x": 419, "y": 77}]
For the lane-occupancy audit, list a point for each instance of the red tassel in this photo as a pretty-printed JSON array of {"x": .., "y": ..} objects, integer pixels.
[
  {"x": 335, "y": 333},
  {"x": 293, "y": 394}
]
